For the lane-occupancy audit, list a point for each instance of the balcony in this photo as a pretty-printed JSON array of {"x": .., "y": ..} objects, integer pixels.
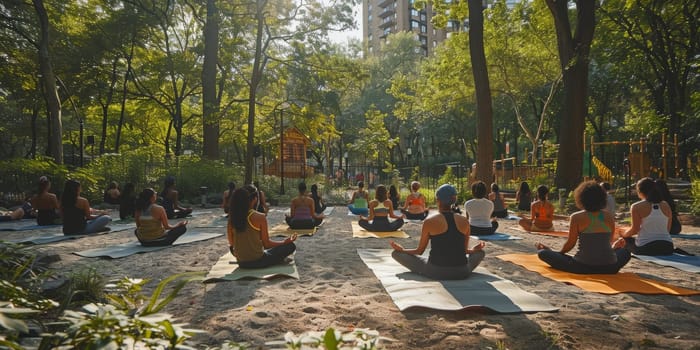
[
  {"x": 386, "y": 3},
  {"x": 387, "y": 12},
  {"x": 386, "y": 23}
]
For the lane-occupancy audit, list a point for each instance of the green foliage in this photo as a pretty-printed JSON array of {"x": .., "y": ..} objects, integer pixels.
[
  {"x": 20, "y": 279},
  {"x": 695, "y": 189},
  {"x": 126, "y": 321},
  {"x": 447, "y": 177},
  {"x": 87, "y": 285},
  {"x": 21, "y": 175},
  {"x": 215, "y": 175},
  {"x": 415, "y": 173},
  {"x": 332, "y": 339}
]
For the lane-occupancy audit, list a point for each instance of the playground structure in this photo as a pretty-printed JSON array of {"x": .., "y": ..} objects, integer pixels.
[
  {"x": 292, "y": 163},
  {"x": 636, "y": 163}
]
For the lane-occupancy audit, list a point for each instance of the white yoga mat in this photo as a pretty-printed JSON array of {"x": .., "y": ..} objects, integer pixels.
[
  {"x": 687, "y": 263},
  {"x": 481, "y": 289},
  {"x": 134, "y": 247},
  {"x": 226, "y": 269}
]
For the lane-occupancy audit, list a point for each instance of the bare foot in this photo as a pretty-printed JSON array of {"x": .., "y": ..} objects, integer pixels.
[{"x": 541, "y": 246}]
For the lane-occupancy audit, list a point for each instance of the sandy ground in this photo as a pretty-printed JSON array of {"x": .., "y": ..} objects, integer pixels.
[{"x": 336, "y": 289}]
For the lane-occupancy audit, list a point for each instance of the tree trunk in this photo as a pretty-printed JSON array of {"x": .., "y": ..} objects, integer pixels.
[
  {"x": 106, "y": 104},
  {"x": 573, "y": 58},
  {"x": 484, "y": 109},
  {"x": 210, "y": 105},
  {"x": 125, "y": 90},
  {"x": 49, "y": 80},
  {"x": 258, "y": 66}
]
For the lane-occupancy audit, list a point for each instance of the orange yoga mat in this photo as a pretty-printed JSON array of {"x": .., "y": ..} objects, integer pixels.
[
  {"x": 623, "y": 282},
  {"x": 546, "y": 233}
]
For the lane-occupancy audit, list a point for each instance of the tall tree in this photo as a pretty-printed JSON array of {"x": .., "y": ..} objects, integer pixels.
[
  {"x": 474, "y": 11},
  {"x": 657, "y": 44},
  {"x": 484, "y": 108},
  {"x": 48, "y": 79},
  {"x": 210, "y": 98},
  {"x": 574, "y": 48}
]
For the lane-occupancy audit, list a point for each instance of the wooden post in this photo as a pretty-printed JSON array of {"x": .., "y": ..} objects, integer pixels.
[
  {"x": 663, "y": 155},
  {"x": 675, "y": 154}
]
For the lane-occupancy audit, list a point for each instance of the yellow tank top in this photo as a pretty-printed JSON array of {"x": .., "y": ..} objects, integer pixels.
[{"x": 249, "y": 246}]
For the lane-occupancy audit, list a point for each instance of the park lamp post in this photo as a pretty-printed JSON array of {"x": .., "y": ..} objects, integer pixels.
[
  {"x": 282, "y": 107},
  {"x": 408, "y": 154},
  {"x": 345, "y": 155},
  {"x": 626, "y": 167}
]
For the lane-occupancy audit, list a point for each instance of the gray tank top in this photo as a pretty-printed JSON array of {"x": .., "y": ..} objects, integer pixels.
[{"x": 594, "y": 243}]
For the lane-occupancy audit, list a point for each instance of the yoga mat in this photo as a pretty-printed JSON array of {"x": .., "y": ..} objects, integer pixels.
[
  {"x": 686, "y": 263},
  {"x": 284, "y": 230},
  {"x": 51, "y": 237},
  {"x": 122, "y": 227},
  {"x": 687, "y": 235},
  {"x": 134, "y": 247},
  {"x": 545, "y": 233},
  {"x": 359, "y": 232},
  {"x": 23, "y": 225},
  {"x": 496, "y": 237},
  {"x": 328, "y": 211},
  {"x": 226, "y": 269},
  {"x": 481, "y": 289},
  {"x": 47, "y": 237},
  {"x": 622, "y": 228},
  {"x": 621, "y": 282}
]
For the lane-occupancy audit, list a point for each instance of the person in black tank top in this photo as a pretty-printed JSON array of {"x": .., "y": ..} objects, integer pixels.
[{"x": 450, "y": 257}]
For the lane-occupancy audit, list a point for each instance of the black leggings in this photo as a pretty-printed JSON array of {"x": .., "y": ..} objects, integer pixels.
[
  {"x": 651, "y": 248},
  {"x": 567, "y": 263},
  {"x": 381, "y": 224},
  {"x": 272, "y": 256},
  {"x": 483, "y": 231},
  {"x": 302, "y": 224},
  {"x": 170, "y": 236},
  {"x": 412, "y": 216},
  {"x": 420, "y": 265},
  {"x": 500, "y": 213}
]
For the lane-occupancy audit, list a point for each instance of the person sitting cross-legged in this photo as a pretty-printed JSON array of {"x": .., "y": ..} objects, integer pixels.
[
  {"x": 380, "y": 210},
  {"x": 541, "y": 213},
  {"x": 248, "y": 236},
  {"x": 479, "y": 210},
  {"x": 415, "y": 208},
  {"x": 359, "y": 201},
  {"x": 78, "y": 217},
  {"x": 448, "y": 233},
  {"x": 651, "y": 222},
  {"x": 152, "y": 222},
  {"x": 593, "y": 228},
  {"x": 171, "y": 201},
  {"x": 302, "y": 215}
]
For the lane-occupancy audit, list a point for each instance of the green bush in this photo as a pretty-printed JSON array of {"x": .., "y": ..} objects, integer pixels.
[{"x": 126, "y": 321}]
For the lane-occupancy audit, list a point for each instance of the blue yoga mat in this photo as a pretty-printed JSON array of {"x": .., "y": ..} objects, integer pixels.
[
  {"x": 687, "y": 236},
  {"x": 687, "y": 263},
  {"x": 497, "y": 237}
]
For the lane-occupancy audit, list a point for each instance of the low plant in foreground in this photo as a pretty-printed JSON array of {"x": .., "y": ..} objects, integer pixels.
[
  {"x": 130, "y": 320},
  {"x": 331, "y": 339}
]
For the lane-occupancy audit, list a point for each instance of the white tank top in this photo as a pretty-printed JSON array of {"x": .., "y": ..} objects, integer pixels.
[{"x": 654, "y": 227}]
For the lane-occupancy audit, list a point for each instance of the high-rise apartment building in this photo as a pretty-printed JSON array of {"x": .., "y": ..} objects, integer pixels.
[{"x": 384, "y": 17}]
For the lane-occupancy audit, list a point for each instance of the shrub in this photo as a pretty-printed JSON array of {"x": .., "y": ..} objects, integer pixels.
[{"x": 126, "y": 321}]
